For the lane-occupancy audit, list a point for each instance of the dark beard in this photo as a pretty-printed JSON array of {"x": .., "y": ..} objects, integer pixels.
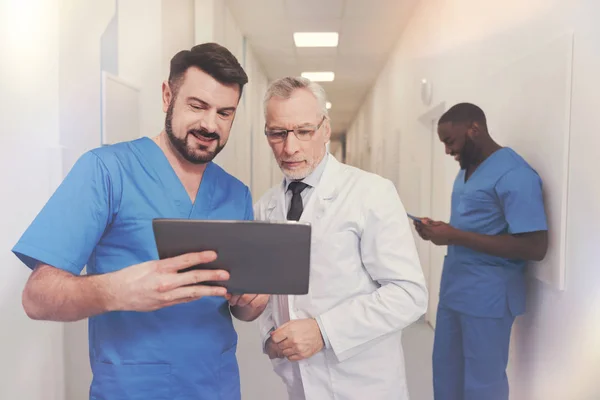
[
  {"x": 182, "y": 147},
  {"x": 469, "y": 154}
]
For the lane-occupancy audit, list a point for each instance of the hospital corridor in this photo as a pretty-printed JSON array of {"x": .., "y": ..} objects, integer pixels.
[{"x": 299, "y": 199}]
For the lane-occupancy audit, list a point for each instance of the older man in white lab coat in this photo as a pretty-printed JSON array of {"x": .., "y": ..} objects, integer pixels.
[{"x": 343, "y": 340}]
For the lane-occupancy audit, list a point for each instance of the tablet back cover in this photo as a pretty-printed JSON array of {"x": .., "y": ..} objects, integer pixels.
[{"x": 261, "y": 257}]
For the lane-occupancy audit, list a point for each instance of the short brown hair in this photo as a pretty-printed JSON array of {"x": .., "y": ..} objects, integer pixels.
[{"x": 211, "y": 58}]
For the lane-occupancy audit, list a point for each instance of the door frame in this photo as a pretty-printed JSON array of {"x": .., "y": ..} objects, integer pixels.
[{"x": 429, "y": 120}]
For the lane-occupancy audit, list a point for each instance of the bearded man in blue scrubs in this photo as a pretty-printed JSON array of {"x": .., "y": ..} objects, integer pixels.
[
  {"x": 154, "y": 333},
  {"x": 497, "y": 224}
]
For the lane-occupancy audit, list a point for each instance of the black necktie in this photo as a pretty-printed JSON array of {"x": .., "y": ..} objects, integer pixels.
[{"x": 296, "y": 207}]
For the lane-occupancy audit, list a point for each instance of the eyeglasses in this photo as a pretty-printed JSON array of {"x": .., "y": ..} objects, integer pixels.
[{"x": 304, "y": 133}]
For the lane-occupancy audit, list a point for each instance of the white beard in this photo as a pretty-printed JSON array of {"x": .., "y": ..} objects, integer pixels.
[{"x": 297, "y": 175}]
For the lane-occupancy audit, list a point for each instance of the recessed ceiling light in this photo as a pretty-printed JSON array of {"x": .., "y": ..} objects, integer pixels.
[
  {"x": 319, "y": 76},
  {"x": 328, "y": 105},
  {"x": 316, "y": 39}
]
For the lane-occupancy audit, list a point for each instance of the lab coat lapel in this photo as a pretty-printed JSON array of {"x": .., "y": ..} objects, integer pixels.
[
  {"x": 325, "y": 193},
  {"x": 276, "y": 205}
]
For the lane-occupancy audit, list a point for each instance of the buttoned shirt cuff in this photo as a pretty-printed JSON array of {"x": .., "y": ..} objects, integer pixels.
[{"x": 323, "y": 333}]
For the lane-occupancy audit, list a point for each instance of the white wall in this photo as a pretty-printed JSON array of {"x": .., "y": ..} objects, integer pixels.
[
  {"x": 140, "y": 57},
  {"x": 265, "y": 172},
  {"x": 555, "y": 353},
  {"x": 29, "y": 138},
  {"x": 336, "y": 148},
  {"x": 178, "y": 21}
]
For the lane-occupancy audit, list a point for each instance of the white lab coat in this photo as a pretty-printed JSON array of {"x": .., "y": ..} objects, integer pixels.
[{"x": 366, "y": 285}]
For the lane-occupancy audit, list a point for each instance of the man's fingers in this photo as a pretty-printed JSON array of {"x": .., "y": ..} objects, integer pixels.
[
  {"x": 241, "y": 300},
  {"x": 279, "y": 335},
  {"x": 285, "y": 344},
  {"x": 426, "y": 228},
  {"x": 288, "y": 352},
  {"x": 272, "y": 350},
  {"x": 274, "y": 353},
  {"x": 246, "y": 300},
  {"x": 187, "y": 260},
  {"x": 191, "y": 278},
  {"x": 420, "y": 231},
  {"x": 233, "y": 299},
  {"x": 190, "y": 293}
]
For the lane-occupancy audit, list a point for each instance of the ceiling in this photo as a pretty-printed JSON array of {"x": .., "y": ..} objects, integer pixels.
[{"x": 368, "y": 32}]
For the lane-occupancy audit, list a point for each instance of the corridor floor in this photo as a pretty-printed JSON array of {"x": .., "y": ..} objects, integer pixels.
[{"x": 417, "y": 342}]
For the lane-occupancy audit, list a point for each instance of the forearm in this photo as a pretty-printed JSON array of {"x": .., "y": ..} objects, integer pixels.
[
  {"x": 55, "y": 295},
  {"x": 362, "y": 319},
  {"x": 506, "y": 246}
]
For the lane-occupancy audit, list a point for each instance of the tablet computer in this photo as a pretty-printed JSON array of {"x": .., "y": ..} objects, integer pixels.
[{"x": 261, "y": 257}]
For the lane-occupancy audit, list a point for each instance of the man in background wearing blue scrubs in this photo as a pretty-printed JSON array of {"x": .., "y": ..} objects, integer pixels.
[
  {"x": 154, "y": 333},
  {"x": 497, "y": 224}
]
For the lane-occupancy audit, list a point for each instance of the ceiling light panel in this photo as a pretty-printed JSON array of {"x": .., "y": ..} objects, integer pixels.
[
  {"x": 319, "y": 76},
  {"x": 316, "y": 39}
]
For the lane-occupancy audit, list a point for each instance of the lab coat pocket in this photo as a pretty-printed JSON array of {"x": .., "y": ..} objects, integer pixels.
[
  {"x": 131, "y": 382},
  {"x": 230, "y": 389},
  {"x": 284, "y": 369}
]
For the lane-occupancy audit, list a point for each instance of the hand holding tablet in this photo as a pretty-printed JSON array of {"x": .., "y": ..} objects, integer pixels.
[{"x": 261, "y": 257}]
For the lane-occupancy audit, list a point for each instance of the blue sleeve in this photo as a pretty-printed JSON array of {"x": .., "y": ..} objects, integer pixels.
[
  {"x": 249, "y": 214},
  {"x": 67, "y": 229},
  {"x": 521, "y": 197}
]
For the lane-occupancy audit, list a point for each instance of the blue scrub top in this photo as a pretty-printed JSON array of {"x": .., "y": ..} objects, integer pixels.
[
  {"x": 101, "y": 216},
  {"x": 503, "y": 196}
]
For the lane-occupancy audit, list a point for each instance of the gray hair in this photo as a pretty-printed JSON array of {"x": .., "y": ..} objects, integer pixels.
[{"x": 284, "y": 88}]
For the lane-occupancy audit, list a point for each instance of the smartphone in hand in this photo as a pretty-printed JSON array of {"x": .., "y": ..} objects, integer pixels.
[{"x": 416, "y": 219}]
